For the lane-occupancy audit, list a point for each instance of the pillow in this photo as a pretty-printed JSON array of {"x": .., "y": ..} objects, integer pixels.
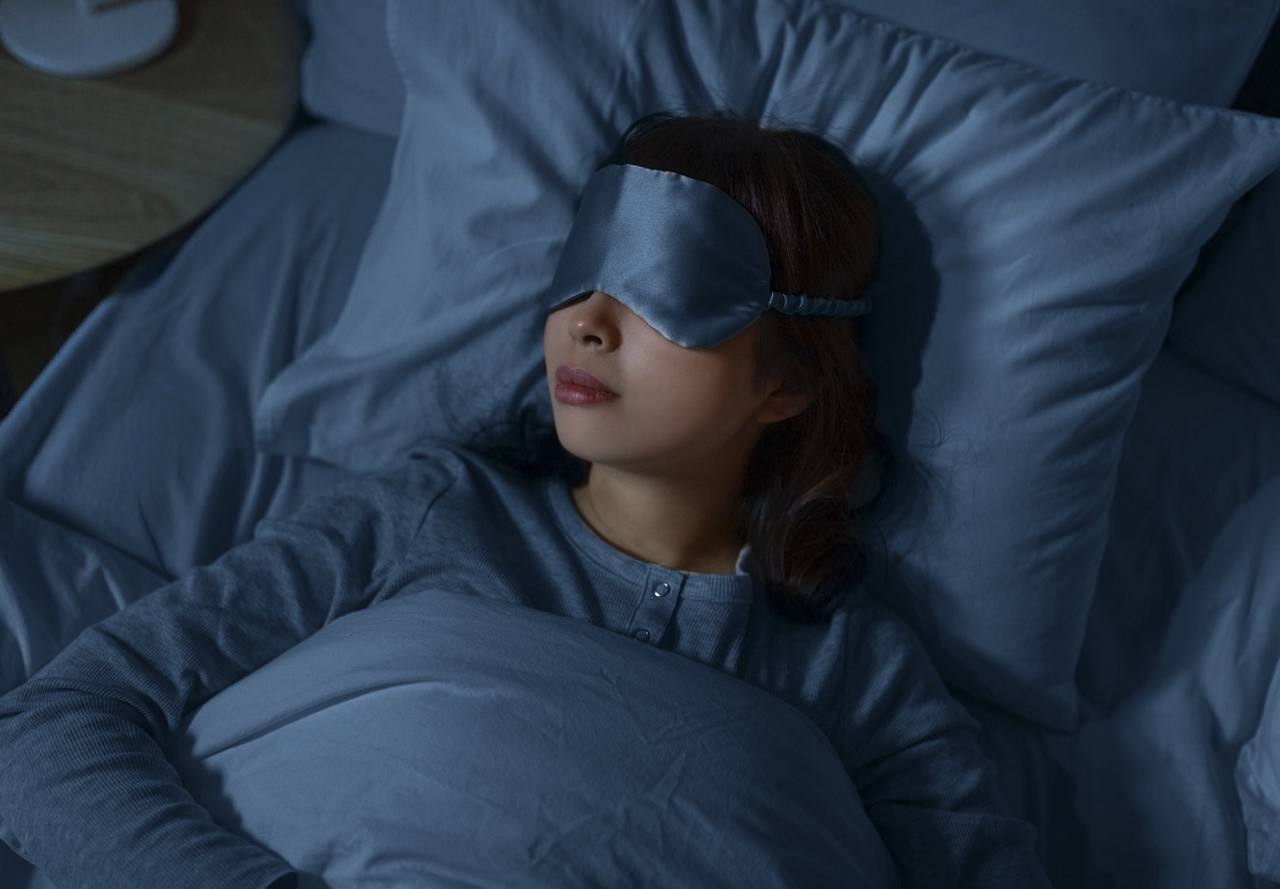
[
  {"x": 1032, "y": 244},
  {"x": 1193, "y": 50},
  {"x": 1227, "y": 318},
  {"x": 1154, "y": 779},
  {"x": 440, "y": 738},
  {"x": 1167, "y": 514},
  {"x": 348, "y": 75},
  {"x": 1186, "y": 49}
]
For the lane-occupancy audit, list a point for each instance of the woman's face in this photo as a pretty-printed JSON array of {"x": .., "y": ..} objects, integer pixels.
[{"x": 676, "y": 408}]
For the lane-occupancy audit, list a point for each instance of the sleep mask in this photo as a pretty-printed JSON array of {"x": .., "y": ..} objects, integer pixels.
[{"x": 680, "y": 253}]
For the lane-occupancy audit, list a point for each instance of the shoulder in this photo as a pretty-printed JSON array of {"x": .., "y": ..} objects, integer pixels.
[
  {"x": 396, "y": 494},
  {"x": 871, "y": 625},
  {"x": 467, "y": 466},
  {"x": 422, "y": 471},
  {"x": 890, "y": 667},
  {"x": 883, "y": 649}
]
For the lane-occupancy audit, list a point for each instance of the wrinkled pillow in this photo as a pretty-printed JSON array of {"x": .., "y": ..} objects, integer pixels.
[
  {"x": 1227, "y": 318},
  {"x": 1190, "y": 50},
  {"x": 448, "y": 739},
  {"x": 1196, "y": 452},
  {"x": 348, "y": 74},
  {"x": 1181, "y": 49},
  {"x": 1153, "y": 777},
  {"x": 1035, "y": 230}
]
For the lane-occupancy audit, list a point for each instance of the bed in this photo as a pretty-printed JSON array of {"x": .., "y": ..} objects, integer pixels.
[{"x": 227, "y": 379}]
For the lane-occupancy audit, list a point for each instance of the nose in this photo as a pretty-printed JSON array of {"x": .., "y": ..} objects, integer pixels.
[{"x": 593, "y": 317}]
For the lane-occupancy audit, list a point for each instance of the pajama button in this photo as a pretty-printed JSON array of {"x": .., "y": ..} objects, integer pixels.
[
  {"x": 662, "y": 589},
  {"x": 642, "y": 634}
]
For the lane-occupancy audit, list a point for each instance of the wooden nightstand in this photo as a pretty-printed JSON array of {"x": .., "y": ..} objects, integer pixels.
[{"x": 93, "y": 171}]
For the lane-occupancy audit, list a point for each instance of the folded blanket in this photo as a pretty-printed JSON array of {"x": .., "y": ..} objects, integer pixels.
[{"x": 451, "y": 740}]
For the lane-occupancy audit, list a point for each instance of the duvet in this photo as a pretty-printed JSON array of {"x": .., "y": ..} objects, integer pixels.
[{"x": 448, "y": 740}]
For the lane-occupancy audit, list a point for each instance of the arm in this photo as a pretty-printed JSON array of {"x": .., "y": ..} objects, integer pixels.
[
  {"x": 912, "y": 751},
  {"x": 86, "y": 791}
]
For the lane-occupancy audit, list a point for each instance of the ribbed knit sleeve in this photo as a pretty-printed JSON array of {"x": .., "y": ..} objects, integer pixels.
[
  {"x": 913, "y": 754},
  {"x": 86, "y": 791}
]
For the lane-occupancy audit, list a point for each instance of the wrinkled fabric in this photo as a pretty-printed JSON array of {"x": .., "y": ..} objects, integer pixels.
[
  {"x": 88, "y": 794},
  {"x": 1034, "y": 231},
  {"x": 450, "y": 739},
  {"x": 1227, "y": 319}
]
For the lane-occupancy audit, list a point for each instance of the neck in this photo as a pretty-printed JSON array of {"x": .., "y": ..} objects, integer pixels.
[{"x": 684, "y": 524}]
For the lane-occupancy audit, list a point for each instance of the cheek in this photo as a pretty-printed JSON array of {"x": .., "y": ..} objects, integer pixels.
[
  {"x": 552, "y": 331},
  {"x": 686, "y": 384}
]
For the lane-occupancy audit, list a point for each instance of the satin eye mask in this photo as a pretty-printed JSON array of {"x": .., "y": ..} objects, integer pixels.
[{"x": 680, "y": 253}]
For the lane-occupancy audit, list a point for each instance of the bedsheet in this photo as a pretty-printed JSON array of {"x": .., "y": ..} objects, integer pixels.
[
  {"x": 1180, "y": 659},
  {"x": 130, "y": 459},
  {"x": 1156, "y": 779},
  {"x": 164, "y": 371}
]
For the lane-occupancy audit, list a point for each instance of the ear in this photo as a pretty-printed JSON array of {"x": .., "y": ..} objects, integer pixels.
[{"x": 783, "y": 404}]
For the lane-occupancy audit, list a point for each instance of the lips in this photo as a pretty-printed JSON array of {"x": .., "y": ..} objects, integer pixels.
[{"x": 579, "y": 377}]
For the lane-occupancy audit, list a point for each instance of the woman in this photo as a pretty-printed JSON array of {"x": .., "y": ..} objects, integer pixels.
[{"x": 715, "y": 459}]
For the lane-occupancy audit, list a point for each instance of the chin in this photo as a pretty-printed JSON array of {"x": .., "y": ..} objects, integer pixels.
[
  {"x": 566, "y": 441},
  {"x": 568, "y": 445}
]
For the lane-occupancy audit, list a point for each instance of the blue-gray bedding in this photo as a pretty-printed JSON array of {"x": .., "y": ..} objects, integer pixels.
[
  {"x": 130, "y": 460},
  {"x": 1031, "y": 250},
  {"x": 1219, "y": 323},
  {"x": 445, "y": 740},
  {"x": 165, "y": 370},
  {"x": 1182, "y": 770},
  {"x": 1181, "y": 49},
  {"x": 856, "y": 704},
  {"x": 1171, "y": 780},
  {"x": 130, "y": 463}
]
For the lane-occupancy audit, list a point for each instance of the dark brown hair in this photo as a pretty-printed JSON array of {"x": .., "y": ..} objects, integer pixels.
[{"x": 801, "y": 505}]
